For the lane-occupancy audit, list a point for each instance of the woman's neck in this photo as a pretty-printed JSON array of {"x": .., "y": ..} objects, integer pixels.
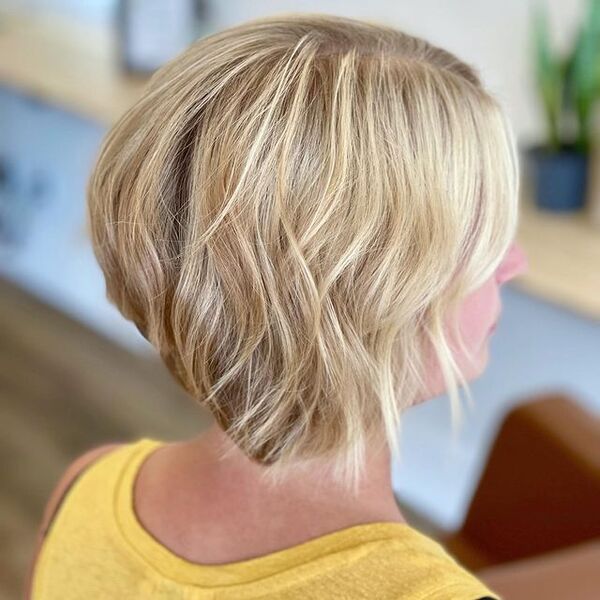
[
  {"x": 314, "y": 484},
  {"x": 225, "y": 511}
]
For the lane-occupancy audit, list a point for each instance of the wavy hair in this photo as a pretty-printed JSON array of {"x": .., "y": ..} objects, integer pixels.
[{"x": 288, "y": 215}]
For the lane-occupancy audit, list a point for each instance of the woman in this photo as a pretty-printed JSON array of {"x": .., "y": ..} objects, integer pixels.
[{"x": 310, "y": 218}]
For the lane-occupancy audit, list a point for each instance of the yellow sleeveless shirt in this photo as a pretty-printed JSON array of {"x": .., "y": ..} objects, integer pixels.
[{"x": 96, "y": 548}]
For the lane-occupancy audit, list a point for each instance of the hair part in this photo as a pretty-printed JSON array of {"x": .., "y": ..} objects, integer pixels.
[{"x": 289, "y": 213}]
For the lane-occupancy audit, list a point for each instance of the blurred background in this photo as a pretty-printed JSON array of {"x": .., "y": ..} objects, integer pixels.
[{"x": 515, "y": 495}]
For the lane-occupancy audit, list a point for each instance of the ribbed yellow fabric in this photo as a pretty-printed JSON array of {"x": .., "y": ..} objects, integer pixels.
[{"x": 97, "y": 548}]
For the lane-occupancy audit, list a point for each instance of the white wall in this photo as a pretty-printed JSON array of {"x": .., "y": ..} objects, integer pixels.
[{"x": 97, "y": 11}]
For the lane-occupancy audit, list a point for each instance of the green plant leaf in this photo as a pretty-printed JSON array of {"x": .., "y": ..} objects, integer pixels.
[
  {"x": 549, "y": 74},
  {"x": 582, "y": 76}
]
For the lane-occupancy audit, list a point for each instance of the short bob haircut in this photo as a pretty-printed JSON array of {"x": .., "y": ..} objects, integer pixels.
[{"x": 290, "y": 213}]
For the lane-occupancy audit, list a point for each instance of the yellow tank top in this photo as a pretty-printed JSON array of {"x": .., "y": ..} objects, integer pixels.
[{"x": 97, "y": 548}]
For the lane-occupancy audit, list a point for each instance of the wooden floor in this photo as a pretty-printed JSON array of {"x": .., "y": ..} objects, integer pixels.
[{"x": 63, "y": 390}]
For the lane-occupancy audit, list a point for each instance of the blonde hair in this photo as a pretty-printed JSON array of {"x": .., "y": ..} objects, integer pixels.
[{"x": 288, "y": 215}]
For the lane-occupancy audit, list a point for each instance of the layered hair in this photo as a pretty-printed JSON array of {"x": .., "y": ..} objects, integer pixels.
[{"x": 291, "y": 212}]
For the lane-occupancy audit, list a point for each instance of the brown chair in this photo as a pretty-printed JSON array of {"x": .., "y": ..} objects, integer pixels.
[
  {"x": 572, "y": 572},
  {"x": 540, "y": 489}
]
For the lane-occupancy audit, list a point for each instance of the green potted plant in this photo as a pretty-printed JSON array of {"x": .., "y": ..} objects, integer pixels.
[{"x": 568, "y": 87}]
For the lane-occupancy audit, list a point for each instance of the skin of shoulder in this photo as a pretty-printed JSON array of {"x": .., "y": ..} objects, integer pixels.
[{"x": 56, "y": 497}]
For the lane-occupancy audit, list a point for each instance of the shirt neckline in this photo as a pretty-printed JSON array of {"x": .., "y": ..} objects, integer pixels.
[{"x": 326, "y": 548}]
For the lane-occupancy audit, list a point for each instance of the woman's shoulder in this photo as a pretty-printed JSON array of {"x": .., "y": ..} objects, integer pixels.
[
  {"x": 57, "y": 496},
  {"x": 68, "y": 477},
  {"x": 66, "y": 482}
]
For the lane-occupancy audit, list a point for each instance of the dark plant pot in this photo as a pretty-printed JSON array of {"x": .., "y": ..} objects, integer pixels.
[{"x": 559, "y": 177}]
